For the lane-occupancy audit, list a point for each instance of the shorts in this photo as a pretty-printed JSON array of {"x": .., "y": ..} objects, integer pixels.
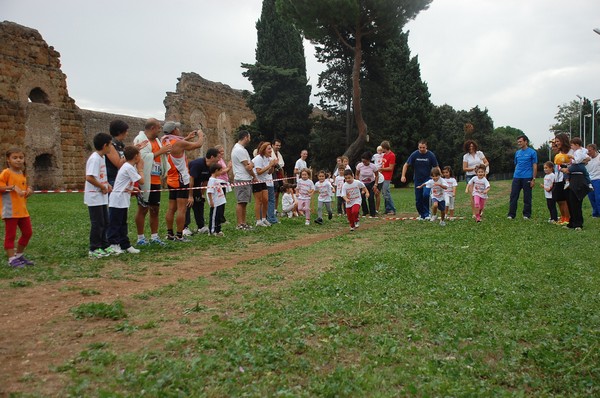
[
  {"x": 179, "y": 193},
  {"x": 243, "y": 193},
  {"x": 261, "y": 186},
  {"x": 441, "y": 204},
  {"x": 449, "y": 202},
  {"x": 380, "y": 186},
  {"x": 559, "y": 193},
  {"x": 154, "y": 197}
]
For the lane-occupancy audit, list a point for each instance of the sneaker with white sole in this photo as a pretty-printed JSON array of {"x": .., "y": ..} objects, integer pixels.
[
  {"x": 307, "y": 222},
  {"x": 187, "y": 232},
  {"x": 157, "y": 241},
  {"x": 132, "y": 250},
  {"x": 266, "y": 223},
  {"x": 142, "y": 241},
  {"x": 98, "y": 253},
  {"x": 182, "y": 239},
  {"x": 114, "y": 250},
  {"x": 442, "y": 223},
  {"x": 203, "y": 230},
  {"x": 433, "y": 218},
  {"x": 259, "y": 223},
  {"x": 357, "y": 224},
  {"x": 220, "y": 234}
]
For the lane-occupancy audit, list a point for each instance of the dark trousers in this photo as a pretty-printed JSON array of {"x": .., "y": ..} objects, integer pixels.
[
  {"x": 99, "y": 224},
  {"x": 117, "y": 227},
  {"x": 341, "y": 205},
  {"x": 370, "y": 208},
  {"x": 422, "y": 200},
  {"x": 519, "y": 184},
  {"x": 214, "y": 220},
  {"x": 198, "y": 208},
  {"x": 551, "y": 203},
  {"x": 575, "y": 204}
]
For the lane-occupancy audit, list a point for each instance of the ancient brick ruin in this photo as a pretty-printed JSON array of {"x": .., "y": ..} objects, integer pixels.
[{"x": 37, "y": 114}]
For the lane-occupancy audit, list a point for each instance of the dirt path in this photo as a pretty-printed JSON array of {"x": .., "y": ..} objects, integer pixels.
[{"x": 38, "y": 332}]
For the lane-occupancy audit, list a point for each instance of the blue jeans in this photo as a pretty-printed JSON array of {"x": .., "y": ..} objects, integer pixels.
[
  {"x": 519, "y": 184},
  {"x": 594, "y": 197},
  {"x": 422, "y": 200},
  {"x": 271, "y": 217},
  {"x": 387, "y": 197}
]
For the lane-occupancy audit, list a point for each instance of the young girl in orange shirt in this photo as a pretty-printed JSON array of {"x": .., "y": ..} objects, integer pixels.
[{"x": 14, "y": 192}]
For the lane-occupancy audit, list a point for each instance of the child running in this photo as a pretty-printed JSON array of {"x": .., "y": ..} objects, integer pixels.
[
  {"x": 14, "y": 192},
  {"x": 339, "y": 183},
  {"x": 216, "y": 200},
  {"x": 548, "y": 185},
  {"x": 325, "y": 190},
  {"x": 351, "y": 192},
  {"x": 305, "y": 188},
  {"x": 438, "y": 188},
  {"x": 479, "y": 186},
  {"x": 131, "y": 171},
  {"x": 450, "y": 192},
  {"x": 289, "y": 203}
]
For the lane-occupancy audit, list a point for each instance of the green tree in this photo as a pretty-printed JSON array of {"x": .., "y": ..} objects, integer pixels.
[
  {"x": 281, "y": 92},
  {"x": 353, "y": 23},
  {"x": 567, "y": 118}
]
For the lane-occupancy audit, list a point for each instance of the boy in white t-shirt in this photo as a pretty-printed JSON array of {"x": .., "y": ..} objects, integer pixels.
[
  {"x": 325, "y": 191},
  {"x": 548, "y": 185},
  {"x": 438, "y": 188},
  {"x": 351, "y": 193},
  {"x": 216, "y": 200},
  {"x": 131, "y": 171},
  {"x": 96, "y": 196},
  {"x": 338, "y": 184}
]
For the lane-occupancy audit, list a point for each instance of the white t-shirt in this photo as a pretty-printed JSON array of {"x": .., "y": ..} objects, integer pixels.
[
  {"x": 472, "y": 161},
  {"x": 260, "y": 162},
  {"x": 377, "y": 159},
  {"x": 325, "y": 190},
  {"x": 580, "y": 155},
  {"x": 593, "y": 168},
  {"x": 287, "y": 202},
  {"x": 304, "y": 187},
  {"x": 479, "y": 185},
  {"x": 380, "y": 178},
  {"x": 239, "y": 154},
  {"x": 215, "y": 188},
  {"x": 300, "y": 164},
  {"x": 339, "y": 183},
  {"x": 120, "y": 197},
  {"x": 548, "y": 181},
  {"x": 437, "y": 190},
  {"x": 95, "y": 167},
  {"x": 352, "y": 193},
  {"x": 367, "y": 173},
  {"x": 451, "y": 183}
]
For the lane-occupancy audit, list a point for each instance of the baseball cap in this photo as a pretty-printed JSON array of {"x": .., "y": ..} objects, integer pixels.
[{"x": 168, "y": 127}]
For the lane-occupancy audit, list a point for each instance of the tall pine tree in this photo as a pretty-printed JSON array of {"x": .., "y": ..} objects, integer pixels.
[{"x": 281, "y": 92}]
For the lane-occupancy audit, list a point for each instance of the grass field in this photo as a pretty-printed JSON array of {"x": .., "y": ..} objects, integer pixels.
[{"x": 397, "y": 308}]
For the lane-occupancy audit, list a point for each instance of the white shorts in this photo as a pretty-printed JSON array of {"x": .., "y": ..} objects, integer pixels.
[{"x": 449, "y": 202}]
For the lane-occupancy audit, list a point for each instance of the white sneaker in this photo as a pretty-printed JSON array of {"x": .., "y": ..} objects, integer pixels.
[
  {"x": 132, "y": 250},
  {"x": 259, "y": 223},
  {"x": 266, "y": 223},
  {"x": 116, "y": 249},
  {"x": 442, "y": 223},
  {"x": 433, "y": 218},
  {"x": 187, "y": 232},
  {"x": 307, "y": 222},
  {"x": 357, "y": 224},
  {"x": 203, "y": 230}
]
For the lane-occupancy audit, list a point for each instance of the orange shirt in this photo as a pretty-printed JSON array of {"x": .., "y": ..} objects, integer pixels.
[
  {"x": 156, "y": 167},
  {"x": 13, "y": 205}
]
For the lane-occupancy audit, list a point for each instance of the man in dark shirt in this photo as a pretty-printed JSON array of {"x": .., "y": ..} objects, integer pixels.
[
  {"x": 199, "y": 176},
  {"x": 422, "y": 161}
]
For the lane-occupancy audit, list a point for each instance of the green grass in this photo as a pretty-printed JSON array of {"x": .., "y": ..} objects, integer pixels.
[{"x": 501, "y": 308}]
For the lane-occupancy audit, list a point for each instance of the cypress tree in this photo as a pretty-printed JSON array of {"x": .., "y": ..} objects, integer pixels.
[{"x": 281, "y": 92}]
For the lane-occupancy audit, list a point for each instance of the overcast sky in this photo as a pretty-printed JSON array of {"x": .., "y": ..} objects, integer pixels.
[{"x": 520, "y": 59}]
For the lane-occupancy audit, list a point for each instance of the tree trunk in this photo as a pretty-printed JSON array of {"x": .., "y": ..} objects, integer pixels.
[{"x": 355, "y": 149}]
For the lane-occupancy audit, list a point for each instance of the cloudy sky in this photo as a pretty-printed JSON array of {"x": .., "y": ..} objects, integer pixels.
[{"x": 519, "y": 59}]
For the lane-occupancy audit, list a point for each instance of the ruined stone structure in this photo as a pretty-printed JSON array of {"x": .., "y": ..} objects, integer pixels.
[
  {"x": 215, "y": 106},
  {"x": 37, "y": 114}
]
